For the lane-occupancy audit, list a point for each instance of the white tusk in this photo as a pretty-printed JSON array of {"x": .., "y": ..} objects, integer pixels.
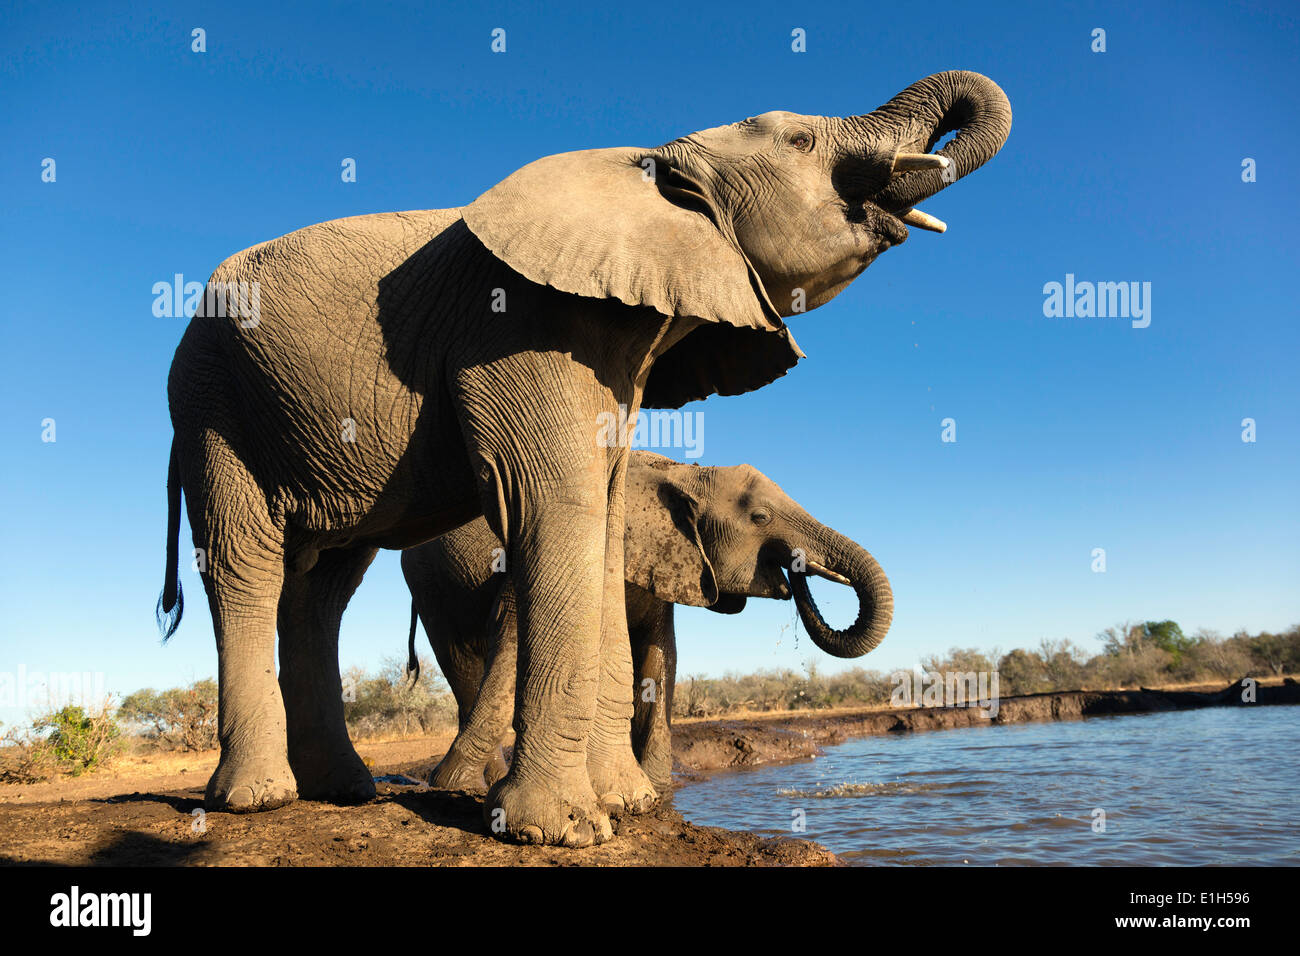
[
  {"x": 906, "y": 162},
  {"x": 827, "y": 573},
  {"x": 914, "y": 217}
]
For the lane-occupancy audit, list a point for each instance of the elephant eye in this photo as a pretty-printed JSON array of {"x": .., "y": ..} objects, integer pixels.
[
  {"x": 801, "y": 141},
  {"x": 761, "y": 517}
]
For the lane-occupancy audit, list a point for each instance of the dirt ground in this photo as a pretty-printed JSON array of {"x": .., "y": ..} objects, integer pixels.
[
  {"x": 141, "y": 813},
  {"x": 142, "y": 810}
]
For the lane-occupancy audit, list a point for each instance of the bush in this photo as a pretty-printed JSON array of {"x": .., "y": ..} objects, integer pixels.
[
  {"x": 960, "y": 661},
  {"x": 391, "y": 704},
  {"x": 25, "y": 758},
  {"x": 1141, "y": 666},
  {"x": 79, "y": 740},
  {"x": 1275, "y": 653},
  {"x": 1064, "y": 665},
  {"x": 784, "y": 689},
  {"x": 1023, "y": 672},
  {"x": 182, "y": 718},
  {"x": 1212, "y": 656}
]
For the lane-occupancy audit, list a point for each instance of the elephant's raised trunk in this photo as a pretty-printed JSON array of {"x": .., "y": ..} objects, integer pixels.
[
  {"x": 847, "y": 560},
  {"x": 916, "y": 119}
]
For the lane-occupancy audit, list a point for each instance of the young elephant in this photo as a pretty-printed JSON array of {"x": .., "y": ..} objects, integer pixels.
[{"x": 708, "y": 537}]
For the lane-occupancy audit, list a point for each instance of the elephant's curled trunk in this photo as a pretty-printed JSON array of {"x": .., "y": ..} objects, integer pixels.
[
  {"x": 917, "y": 118},
  {"x": 875, "y": 600}
]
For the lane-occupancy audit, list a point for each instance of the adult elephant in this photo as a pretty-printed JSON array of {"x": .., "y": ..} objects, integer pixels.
[
  {"x": 404, "y": 373},
  {"x": 708, "y": 537}
]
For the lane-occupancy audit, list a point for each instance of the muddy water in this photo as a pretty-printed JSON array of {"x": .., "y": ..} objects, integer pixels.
[{"x": 1214, "y": 786}]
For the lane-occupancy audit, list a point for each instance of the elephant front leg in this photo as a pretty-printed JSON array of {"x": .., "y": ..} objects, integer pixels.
[
  {"x": 615, "y": 773},
  {"x": 557, "y": 567}
]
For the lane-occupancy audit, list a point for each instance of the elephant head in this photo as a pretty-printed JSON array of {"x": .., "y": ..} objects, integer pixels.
[
  {"x": 743, "y": 225},
  {"x": 711, "y": 537}
]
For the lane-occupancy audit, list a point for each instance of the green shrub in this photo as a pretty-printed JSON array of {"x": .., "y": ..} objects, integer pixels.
[{"x": 79, "y": 740}]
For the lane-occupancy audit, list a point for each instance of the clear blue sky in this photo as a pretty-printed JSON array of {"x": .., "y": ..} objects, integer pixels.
[{"x": 1073, "y": 434}]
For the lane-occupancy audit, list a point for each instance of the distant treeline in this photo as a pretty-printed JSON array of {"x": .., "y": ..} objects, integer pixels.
[{"x": 1148, "y": 654}]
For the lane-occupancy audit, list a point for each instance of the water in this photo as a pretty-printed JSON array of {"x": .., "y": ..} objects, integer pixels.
[{"x": 1203, "y": 787}]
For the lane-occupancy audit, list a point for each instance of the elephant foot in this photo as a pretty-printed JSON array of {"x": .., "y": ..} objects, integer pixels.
[
  {"x": 249, "y": 785},
  {"x": 621, "y": 783},
  {"x": 455, "y": 772},
  {"x": 340, "y": 777},
  {"x": 529, "y": 812}
]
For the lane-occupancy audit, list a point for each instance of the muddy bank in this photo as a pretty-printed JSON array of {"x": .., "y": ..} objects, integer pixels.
[
  {"x": 701, "y": 747},
  {"x": 142, "y": 813},
  {"x": 403, "y": 826}
]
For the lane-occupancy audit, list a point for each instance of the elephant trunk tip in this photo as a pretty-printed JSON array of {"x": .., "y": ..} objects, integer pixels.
[{"x": 875, "y": 605}]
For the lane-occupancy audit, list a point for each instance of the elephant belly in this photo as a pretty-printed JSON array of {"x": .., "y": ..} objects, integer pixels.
[
  {"x": 333, "y": 388},
  {"x": 391, "y": 483}
]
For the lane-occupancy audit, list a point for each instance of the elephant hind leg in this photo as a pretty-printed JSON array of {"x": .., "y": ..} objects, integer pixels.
[
  {"x": 241, "y": 555},
  {"x": 474, "y": 762},
  {"x": 447, "y": 617},
  {"x": 321, "y": 754},
  {"x": 654, "y": 655}
]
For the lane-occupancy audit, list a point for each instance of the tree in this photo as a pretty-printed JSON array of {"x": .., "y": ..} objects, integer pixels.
[
  {"x": 961, "y": 660},
  {"x": 391, "y": 703},
  {"x": 180, "y": 718},
  {"x": 1022, "y": 672},
  {"x": 1138, "y": 640},
  {"x": 1167, "y": 636},
  {"x": 1063, "y": 664},
  {"x": 1278, "y": 652},
  {"x": 1120, "y": 639}
]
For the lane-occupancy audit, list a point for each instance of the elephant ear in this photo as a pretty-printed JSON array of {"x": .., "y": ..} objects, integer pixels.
[
  {"x": 600, "y": 223},
  {"x": 663, "y": 550}
]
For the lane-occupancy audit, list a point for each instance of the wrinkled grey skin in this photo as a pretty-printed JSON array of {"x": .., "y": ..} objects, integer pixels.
[
  {"x": 708, "y": 537},
  {"x": 410, "y": 371}
]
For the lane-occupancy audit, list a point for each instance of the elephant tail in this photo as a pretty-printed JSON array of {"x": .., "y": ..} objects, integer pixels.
[
  {"x": 171, "y": 603},
  {"x": 412, "y": 661}
]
